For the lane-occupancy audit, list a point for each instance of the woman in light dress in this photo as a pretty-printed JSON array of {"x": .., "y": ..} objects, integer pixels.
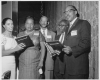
[{"x": 9, "y": 47}]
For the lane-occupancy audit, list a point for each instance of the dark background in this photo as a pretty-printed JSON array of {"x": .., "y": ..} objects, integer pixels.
[{"x": 29, "y": 8}]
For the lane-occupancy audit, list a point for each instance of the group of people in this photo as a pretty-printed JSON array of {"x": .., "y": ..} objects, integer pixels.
[{"x": 71, "y": 63}]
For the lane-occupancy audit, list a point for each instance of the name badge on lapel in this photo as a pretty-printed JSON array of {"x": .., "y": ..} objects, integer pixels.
[
  {"x": 74, "y": 32},
  {"x": 49, "y": 36}
]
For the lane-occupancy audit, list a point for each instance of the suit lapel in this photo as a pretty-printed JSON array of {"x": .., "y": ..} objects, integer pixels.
[{"x": 73, "y": 25}]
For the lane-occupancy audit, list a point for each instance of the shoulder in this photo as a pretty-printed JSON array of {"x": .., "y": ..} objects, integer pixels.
[
  {"x": 85, "y": 25},
  {"x": 3, "y": 39},
  {"x": 51, "y": 32},
  {"x": 21, "y": 34},
  {"x": 84, "y": 21}
]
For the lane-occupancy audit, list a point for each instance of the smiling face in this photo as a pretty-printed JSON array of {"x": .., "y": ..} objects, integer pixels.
[
  {"x": 43, "y": 22},
  {"x": 29, "y": 24},
  {"x": 70, "y": 13},
  {"x": 8, "y": 25}
]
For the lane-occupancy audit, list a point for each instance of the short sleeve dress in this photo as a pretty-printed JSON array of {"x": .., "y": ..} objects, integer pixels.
[
  {"x": 29, "y": 59},
  {"x": 8, "y": 62}
]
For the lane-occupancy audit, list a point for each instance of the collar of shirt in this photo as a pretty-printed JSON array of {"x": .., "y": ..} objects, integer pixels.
[
  {"x": 72, "y": 22},
  {"x": 45, "y": 30},
  {"x": 62, "y": 36}
]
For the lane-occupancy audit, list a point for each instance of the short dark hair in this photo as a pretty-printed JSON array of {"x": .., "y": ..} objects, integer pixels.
[
  {"x": 75, "y": 10},
  {"x": 45, "y": 17},
  {"x": 29, "y": 17},
  {"x": 4, "y": 20}
]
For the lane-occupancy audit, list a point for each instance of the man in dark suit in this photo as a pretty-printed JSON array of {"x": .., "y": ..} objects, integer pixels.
[
  {"x": 77, "y": 45},
  {"x": 59, "y": 65}
]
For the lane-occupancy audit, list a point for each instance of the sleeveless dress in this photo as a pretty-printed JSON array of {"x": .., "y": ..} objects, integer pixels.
[
  {"x": 30, "y": 58},
  {"x": 8, "y": 62}
]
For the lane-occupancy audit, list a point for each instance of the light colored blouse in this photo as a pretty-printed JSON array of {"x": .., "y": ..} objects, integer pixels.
[{"x": 8, "y": 43}]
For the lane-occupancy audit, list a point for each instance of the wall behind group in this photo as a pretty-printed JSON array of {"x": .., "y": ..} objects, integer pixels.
[
  {"x": 10, "y": 10},
  {"x": 6, "y": 11}
]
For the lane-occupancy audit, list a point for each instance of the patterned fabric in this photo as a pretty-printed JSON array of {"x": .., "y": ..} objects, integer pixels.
[{"x": 29, "y": 59}]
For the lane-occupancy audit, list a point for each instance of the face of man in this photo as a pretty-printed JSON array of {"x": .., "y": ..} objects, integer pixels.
[
  {"x": 70, "y": 13},
  {"x": 29, "y": 24},
  {"x": 43, "y": 22},
  {"x": 61, "y": 26}
]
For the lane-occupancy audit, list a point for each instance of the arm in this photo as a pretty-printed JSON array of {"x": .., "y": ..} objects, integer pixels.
[
  {"x": 10, "y": 51},
  {"x": 42, "y": 40},
  {"x": 42, "y": 52},
  {"x": 85, "y": 42},
  {"x": 7, "y": 52}
]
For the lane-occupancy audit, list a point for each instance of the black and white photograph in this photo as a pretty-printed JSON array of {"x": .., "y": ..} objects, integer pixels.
[{"x": 49, "y": 40}]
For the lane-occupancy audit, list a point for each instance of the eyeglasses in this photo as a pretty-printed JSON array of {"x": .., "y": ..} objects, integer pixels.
[
  {"x": 70, "y": 10},
  {"x": 62, "y": 25}
]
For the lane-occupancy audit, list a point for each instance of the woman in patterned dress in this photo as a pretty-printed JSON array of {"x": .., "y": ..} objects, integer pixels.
[{"x": 32, "y": 58}]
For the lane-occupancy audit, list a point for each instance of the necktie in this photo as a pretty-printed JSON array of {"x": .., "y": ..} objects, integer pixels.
[
  {"x": 70, "y": 25},
  {"x": 44, "y": 33},
  {"x": 62, "y": 37}
]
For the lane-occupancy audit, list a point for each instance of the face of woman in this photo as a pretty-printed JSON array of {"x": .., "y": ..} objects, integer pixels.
[
  {"x": 9, "y": 25},
  {"x": 29, "y": 25}
]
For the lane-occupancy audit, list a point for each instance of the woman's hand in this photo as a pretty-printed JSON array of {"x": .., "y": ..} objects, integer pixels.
[{"x": 20, "y": 46}]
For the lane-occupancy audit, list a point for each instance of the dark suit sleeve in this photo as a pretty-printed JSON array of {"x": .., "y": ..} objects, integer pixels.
[{"x": 85, "y": 40}]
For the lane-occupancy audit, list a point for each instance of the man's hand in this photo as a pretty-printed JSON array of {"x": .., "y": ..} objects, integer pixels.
[
  {"x": 67, "y": 49},
  {"x": 57, "y": 52}
]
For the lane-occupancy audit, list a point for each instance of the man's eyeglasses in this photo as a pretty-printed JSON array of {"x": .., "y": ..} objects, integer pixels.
[
  {"x": 69, "y": 10},
  {"x": 62, "y": 25}
]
